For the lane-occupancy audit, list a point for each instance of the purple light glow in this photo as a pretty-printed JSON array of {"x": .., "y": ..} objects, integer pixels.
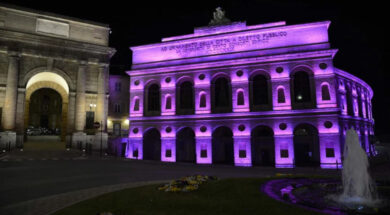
[
  {"x": 276, "y": 51},
  {"x": 203, "y": 144},
  {"x": 242, "y": 143},
  {"x": 168, "y": 144}
]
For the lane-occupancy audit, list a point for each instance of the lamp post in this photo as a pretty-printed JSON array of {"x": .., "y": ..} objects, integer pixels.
[
  {"x": 92, "y": 106},
  {"x": 101, "y": 138}
]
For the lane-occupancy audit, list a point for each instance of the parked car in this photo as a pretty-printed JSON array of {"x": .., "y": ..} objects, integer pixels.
[{"x": 34, "y": 131}]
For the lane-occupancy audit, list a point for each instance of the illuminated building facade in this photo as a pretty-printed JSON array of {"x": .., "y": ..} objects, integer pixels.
[
  {"x": 265, "y": 94},
  {"x": 118, "y": 107},
  {"x": 53, "y": 74}
]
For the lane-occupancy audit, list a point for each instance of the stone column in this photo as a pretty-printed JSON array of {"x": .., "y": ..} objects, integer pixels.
[
  {"x": 20, "y": 128},
  {"x": 9, "y": 109},
  {"x": 284, "y": 151},
  {"x": 202, "y": 89},
  {"x": 134, "y": 148},
  {"x": 240, "y": 87},
  {"x": 80, "y": 99},
  {"x": 101, "y": 94},
  {"x": 203, "y": 150},
  {"x": 242, "y": 151},
  {"x": 166, "y": 94},
  {"x": 168, "y": 149},
  {"x": 330, "y": 150},
  {"x": 282, "y": 86}
]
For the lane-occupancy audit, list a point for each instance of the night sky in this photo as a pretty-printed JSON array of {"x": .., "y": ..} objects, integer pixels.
[{"x": 357, "y": 30}]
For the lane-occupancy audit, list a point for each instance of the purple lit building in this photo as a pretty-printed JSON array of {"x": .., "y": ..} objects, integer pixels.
[{"x": 265, "y": 94}]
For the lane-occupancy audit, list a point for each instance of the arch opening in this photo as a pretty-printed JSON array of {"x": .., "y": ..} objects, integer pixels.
[
  {"x": 185, "y": 98},
  {"x": 306, "y": 145},
  {"x": 221, "y": 95},
  {"x": 262, "y": 146},
  {"x": 185, "y": 145},
  {"x": 223, "y": 145},
  {"x": 46, "y": 105},
  {"x": 260, "y": 93},
  {"x": 152, "y": 145},
  {"x": 303, "y": 91},
  {"x": 152, "y": 100}
]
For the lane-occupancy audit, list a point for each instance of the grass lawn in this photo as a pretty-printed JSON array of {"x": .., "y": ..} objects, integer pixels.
[{"x": 228, "y": 196}]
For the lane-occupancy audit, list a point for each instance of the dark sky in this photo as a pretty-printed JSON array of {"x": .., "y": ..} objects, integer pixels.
[{"x": 357, "y": 29}]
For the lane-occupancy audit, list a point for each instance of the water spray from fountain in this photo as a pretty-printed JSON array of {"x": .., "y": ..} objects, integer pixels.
[{"x": 358, "y": 187}]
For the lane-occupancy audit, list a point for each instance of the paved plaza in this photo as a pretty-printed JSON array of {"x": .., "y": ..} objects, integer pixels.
[{"x": 42, "y": 181}]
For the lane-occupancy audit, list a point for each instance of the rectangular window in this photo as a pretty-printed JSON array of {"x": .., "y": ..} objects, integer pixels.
[
  {"x": 284, "y": 153},
  {"x": 330, "y": 152},
  {"x": 118, "y": 86},
  {"x": 242, "y": 154},
  {"x": 203, "y": 153},
  {"x": 117, "y": 129},
  {"x": 168, "y": 153},
  {"x": 135, "y": 153},
  {"x": 117, "y": 108},
  {"x": 90, "y": 118}
]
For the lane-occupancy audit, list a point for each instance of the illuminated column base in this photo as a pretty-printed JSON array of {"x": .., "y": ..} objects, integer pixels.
[
  {"x": 284, "y": 151},
  {"x": 330, "y": 154},
  {"x": 168, "y": 149},
  {"x": 134, "y": 148},
  {"x": 242, "y": 151},
  {"x": 79, "y": 140},
  {"x": 7, "y": 140},
  {"x": 203, "y": 150}
]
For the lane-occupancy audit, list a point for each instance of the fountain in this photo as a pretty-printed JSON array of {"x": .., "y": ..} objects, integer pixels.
[
  {"x": 356, "y": 193},
  {"x": 358, "y": 187}
]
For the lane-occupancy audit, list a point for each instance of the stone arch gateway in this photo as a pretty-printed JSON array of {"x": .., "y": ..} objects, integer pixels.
[
  {"x": 53, "y": 81},
  {"x": 71, "y": 58}
]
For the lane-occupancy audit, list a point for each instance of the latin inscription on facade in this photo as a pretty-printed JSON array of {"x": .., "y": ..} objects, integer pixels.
[
  {"x": 224, "y": 44},
  {"x": 232, "y": 42}
]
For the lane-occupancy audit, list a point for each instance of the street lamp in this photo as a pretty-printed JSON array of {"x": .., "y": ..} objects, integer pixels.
[{"x": 92, "y": 106}]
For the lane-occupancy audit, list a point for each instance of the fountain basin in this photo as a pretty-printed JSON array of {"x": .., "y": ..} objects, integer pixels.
[{"x": 318, "y": 194}]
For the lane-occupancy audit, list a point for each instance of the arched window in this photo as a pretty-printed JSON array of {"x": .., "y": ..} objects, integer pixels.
[
  {"x": 260, "y": 97},
  {"x": 153, "y": 100},
  {"x": 360, "y": 105},
  {"x": 240, "y": 98},
  {"x": 202, "y": 103},
  {"x": 221, "y": 96},
  {"x": 281, "y": 96},
  {"x": 302, "y": 91},
  {"x": 136, "y": 104},
  {"x": 168, "y": 103},
  {"x": 325, "y": 92},
  {"x": 350, "y": 110},
  {"x": 260, "y": 90},
  {"x": 185, "y": 101}
]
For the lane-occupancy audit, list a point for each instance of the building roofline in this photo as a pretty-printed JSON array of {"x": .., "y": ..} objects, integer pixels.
[
  {"x": 50, "y": 14},
  {"x": 190, "y": 39},
  {"x": 354, "y": 78}
]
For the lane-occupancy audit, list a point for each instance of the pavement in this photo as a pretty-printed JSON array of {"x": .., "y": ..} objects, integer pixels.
[{"x": 43, "y": 181}]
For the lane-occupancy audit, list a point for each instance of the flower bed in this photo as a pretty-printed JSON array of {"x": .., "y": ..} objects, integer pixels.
[{"x": 186, "y": 184}]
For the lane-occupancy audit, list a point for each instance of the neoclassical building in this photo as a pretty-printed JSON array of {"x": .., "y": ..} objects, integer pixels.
[
  {"x": 53, "y": 74},
  {"x": 265, "y": 94}
]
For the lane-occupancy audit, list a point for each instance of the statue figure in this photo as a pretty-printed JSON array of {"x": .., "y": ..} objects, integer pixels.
[{"x": 219, "y": 17}]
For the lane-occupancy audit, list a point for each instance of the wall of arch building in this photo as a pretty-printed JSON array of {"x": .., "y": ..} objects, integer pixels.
[
  {"x": 328, "y": 116},
  {"x": 33, "y": 57},
  {"x": 305, "y": 103}
]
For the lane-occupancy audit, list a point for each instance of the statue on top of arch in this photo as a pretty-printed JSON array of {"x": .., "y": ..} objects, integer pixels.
[{"x": 219, "y": 17}]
